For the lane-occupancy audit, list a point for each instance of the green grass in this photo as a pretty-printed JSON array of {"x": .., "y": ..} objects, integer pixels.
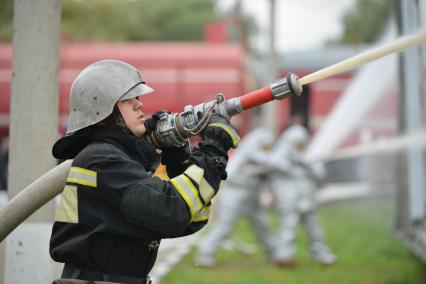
[{"x": 359, "y": 233}]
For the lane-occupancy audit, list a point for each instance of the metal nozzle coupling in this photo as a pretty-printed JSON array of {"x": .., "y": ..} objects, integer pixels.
[{"x": 286, "y": 87}]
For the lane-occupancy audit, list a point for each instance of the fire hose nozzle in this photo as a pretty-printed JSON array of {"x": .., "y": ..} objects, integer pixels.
[
  {"x": 286, "y": 87},
  {"x": 174, "y": 129}
]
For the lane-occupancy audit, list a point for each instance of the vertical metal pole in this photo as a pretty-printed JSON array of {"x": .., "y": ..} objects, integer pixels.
[
  {"x": 2, "y": 262},
  {"x": 269, "y": 110},
  {"x": 33, "y": 130},
  {"x": 412, "y": 92}
]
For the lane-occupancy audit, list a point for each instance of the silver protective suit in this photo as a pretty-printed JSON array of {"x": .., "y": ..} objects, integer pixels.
[
  {"x": 294, "y": 180},
  {"x": 240, "y": 197}
]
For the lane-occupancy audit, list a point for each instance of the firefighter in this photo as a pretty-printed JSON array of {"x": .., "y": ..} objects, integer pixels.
[
  {"x": 240, "y": 197},
  {"x": 113, "y": 212},
  {"x": 294, "y": 181}
]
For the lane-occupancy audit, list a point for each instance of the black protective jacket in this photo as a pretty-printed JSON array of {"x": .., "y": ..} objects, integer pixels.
[{"x": 113, "y": 212}]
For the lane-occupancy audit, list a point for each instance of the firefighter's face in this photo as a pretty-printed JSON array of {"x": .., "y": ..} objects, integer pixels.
[{"x": 131, "y": 111}]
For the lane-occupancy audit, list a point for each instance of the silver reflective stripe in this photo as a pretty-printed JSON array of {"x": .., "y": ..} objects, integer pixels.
[
  {"x": 189, "y": 193},
  {"x": 197, "y": 174},
  {"x": 82, "y": 176}
]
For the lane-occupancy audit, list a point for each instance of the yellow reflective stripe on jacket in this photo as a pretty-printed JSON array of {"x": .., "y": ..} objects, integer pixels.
[
  {"x": 234, "y": 135},
  {"x": 82, "y": 176},
  {"x": 189, "y": 193},
  {"x": 197, "y": 174},
  {"x": 203, "y": 214},
  {"x": 68, "y": 207}
]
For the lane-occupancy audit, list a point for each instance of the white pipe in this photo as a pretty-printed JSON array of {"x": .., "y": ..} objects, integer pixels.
[
  {"x": 385, "y": 146},
  {"x": 31, "y": 198},
  {"x": 395, "y": 46}
]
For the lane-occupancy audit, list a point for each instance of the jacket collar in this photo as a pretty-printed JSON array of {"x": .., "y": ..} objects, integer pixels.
[{"x": 137, "y": 149}]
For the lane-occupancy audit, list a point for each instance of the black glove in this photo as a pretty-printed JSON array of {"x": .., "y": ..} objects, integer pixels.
[
  {"x": 212, "y": 161},
  {"x": 171, "y": 156},
  {"x": 220, "y": 130},
  {"x": 175, "y": 159},
  {"x": 151, "y": 123}
]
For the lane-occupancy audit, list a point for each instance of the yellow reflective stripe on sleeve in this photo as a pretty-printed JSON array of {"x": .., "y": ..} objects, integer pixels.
[
  {"x": 82, "y": 176},
  {"x": 206, "y": 191},
  {"x": 188, "y": 192},
  {"x": 68, "y": 207},
  {"x": 234, "y": 135},
  {"x": 197, "y": 174},
  {"x": 203, "y": 214}
]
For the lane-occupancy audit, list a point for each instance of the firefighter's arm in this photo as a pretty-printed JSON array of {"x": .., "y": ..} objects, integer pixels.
[
  {"x": 142, "y": 199},
  {"x": 207, "y": 167},
  {"x": 176, "y": 207},
  {"x": 181, "y": 205},
  {"x": 208, "y": 163}
]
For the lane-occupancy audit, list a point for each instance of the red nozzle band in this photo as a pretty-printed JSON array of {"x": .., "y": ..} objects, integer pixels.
[{"x": 256, "y": 98}]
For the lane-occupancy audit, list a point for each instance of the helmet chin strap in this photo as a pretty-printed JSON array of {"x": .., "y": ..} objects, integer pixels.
[{"x": 116, "y": 121}]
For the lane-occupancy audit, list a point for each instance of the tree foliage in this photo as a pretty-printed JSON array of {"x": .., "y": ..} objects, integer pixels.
[
  {"x": 6, "y": 19},
  {"x": 136, "y": 20},
  {"x": 119, "y": 20},
  {"x": 366, "y": 21}
]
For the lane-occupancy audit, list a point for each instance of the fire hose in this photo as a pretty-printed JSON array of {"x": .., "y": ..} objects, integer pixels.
[{"x": 174, "y": 129}]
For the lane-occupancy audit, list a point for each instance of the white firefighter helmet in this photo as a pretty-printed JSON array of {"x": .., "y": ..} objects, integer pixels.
[{"x": 98, "y": 88}]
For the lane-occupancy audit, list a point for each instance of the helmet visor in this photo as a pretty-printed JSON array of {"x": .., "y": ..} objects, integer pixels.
[{"x": 137, "y": 91}]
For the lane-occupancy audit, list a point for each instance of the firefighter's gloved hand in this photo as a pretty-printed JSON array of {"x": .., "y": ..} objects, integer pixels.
[
  {"x": 218, "y": 136},
  {"x": 176, "y": 159},
  {"x": 172, "y": 156},
  {"x": 151, "y": 123},
  {"x": 213, "y": 159},
  {"x": 221, "y": 130}
]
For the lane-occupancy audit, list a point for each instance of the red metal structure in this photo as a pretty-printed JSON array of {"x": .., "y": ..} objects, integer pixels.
[
  {"x": 191, "y": 73},
  {"x": 180, "y": 73}
]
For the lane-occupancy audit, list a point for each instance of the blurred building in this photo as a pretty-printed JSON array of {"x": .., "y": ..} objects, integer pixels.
[
  {"x": 180, "y": 73},
  {"x": 191, "y": 73}
]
